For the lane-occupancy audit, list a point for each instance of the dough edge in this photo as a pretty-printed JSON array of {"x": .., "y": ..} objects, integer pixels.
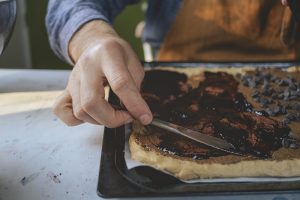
[{"x": 187, "y": 170}]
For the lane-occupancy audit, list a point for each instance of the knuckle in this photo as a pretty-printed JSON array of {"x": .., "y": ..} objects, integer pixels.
[
  {"x": 79, "y": 113},
  {"x": 82, "y": 63},
  {"x": 119, "y": 83},
  {"x": 108, "y": 44},
  {"x": 88, "y": 103},
  {"x": 69, "y": 121}
]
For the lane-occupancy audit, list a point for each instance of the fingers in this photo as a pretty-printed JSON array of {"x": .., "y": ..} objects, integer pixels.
[
  {"x": 63, "y": 109},
  {"x": 93, "y": 102},
  {"x": 83, "y": 100},
  {"x": 124, "y": 85},
  {"x": 78, "y": 110}
]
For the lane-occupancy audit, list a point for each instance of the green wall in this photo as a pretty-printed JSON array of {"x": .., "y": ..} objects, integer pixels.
[
  {"x": 126, "y": 23},
  {"x": 43, "y": 57}
]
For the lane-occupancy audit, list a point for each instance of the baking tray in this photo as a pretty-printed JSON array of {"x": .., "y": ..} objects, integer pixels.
[{"x": 115, "y": 180}]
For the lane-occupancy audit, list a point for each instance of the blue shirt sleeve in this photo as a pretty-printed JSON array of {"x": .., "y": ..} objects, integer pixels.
[{"x": 65, "y": 17}]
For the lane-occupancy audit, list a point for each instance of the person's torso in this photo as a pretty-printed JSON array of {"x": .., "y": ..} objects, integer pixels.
[{"x": 219, "y": 29}]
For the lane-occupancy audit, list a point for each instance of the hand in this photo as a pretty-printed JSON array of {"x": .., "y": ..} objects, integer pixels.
[{"x": 102, "y": 57}]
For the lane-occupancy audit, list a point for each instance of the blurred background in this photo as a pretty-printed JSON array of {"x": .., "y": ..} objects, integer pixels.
[{"x": 29, "y": 47}]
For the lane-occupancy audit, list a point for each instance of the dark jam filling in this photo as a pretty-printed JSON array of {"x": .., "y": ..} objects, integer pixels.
[
  {"x": 176, "y": 145},
  {"x": 215, "y": 108}
]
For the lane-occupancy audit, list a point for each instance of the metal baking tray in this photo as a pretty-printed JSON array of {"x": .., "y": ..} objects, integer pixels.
[{"x": 115, "y": 180}]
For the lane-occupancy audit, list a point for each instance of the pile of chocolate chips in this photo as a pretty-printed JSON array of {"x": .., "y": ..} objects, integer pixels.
[{"x": 278, "y": 96}]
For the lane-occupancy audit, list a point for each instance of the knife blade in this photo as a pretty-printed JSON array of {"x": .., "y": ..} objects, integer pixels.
[{"x": 205, "y": 139}]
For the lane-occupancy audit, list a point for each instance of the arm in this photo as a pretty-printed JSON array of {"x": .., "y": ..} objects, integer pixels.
[
  {"x": 101, "y": 56},
  {"x": 65, "y": 17}
]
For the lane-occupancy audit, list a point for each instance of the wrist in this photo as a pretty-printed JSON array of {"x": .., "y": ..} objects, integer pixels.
[{"x": 88, "y": 35}]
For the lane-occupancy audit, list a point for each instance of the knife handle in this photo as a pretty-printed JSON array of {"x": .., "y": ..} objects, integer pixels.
[{"x": 295, "y": 8}]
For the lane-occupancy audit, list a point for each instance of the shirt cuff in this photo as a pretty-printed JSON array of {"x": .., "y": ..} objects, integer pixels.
[{"x": 73, "y": 25}]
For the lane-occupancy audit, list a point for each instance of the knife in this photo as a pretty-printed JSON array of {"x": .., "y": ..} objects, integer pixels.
[{"x": 197, "y": 136}]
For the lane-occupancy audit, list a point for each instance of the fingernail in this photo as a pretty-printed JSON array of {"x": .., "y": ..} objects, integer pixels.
[{"x": 145, "y": 119}]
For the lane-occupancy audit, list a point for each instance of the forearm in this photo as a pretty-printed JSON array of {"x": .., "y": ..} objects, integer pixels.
[{"x": 66, "y": 17}]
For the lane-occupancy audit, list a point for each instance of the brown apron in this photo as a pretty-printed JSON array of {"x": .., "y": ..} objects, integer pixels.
[{"x": 231, "y": 30}]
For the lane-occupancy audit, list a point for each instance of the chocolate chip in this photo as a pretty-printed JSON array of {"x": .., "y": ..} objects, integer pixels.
[
  {"x": 296, "y": 106},
  {"x": 246, "y": 79},
  {"x": 294, "y": 93},
  {"x": 297, "y": 92},
  {"x": 286, "y": 93},
  {"x": 292, "y": 98},
  {"x": 251, "y": 83},
  {"x": 290, "y": 80},
  {"x": 288, "y": 106},
  {"x": 274, "y": 96},
  {"x": 282, "y": 82},
  {"x": 291, "y": 116},
  {"x": 266, "y": 90},
  {"x": 267, "y": 76},
  {"x": 289, "y": 143},
  {"x": 286, "y": 121},
  {"x": 280, "y": 96},
  {"x": 298, "y": 117},
  {"x": 264, "y": 102},
  {"x": 255, "y": 94},
  {"x": 266, "y": 83},
  {"x": 274, "y": 78},
  {"x": 258, "y": 80},
  {"x": 256, "y": 99},
  {"x": 283, "y": 110},
  {"x": 270, "y": 112},
  {"x": 277, "y": 110},
  {"x": 292, "y": 86}
]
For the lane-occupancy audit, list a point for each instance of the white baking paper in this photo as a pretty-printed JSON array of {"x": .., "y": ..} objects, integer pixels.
[{"x": 133, "y": 163}]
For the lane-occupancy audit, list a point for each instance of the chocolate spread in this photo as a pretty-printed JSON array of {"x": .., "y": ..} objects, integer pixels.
[{"x": 215, "y": 108}]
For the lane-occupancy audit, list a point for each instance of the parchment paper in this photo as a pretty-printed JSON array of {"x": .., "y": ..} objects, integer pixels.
[{"x": 133, "y": 163}]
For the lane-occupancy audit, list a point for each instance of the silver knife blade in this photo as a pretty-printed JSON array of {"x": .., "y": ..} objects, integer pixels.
[{"x": 207, "y": 140}]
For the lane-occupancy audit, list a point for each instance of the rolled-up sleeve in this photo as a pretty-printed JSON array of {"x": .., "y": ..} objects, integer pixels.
[{"x": 65, "y": 17}]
